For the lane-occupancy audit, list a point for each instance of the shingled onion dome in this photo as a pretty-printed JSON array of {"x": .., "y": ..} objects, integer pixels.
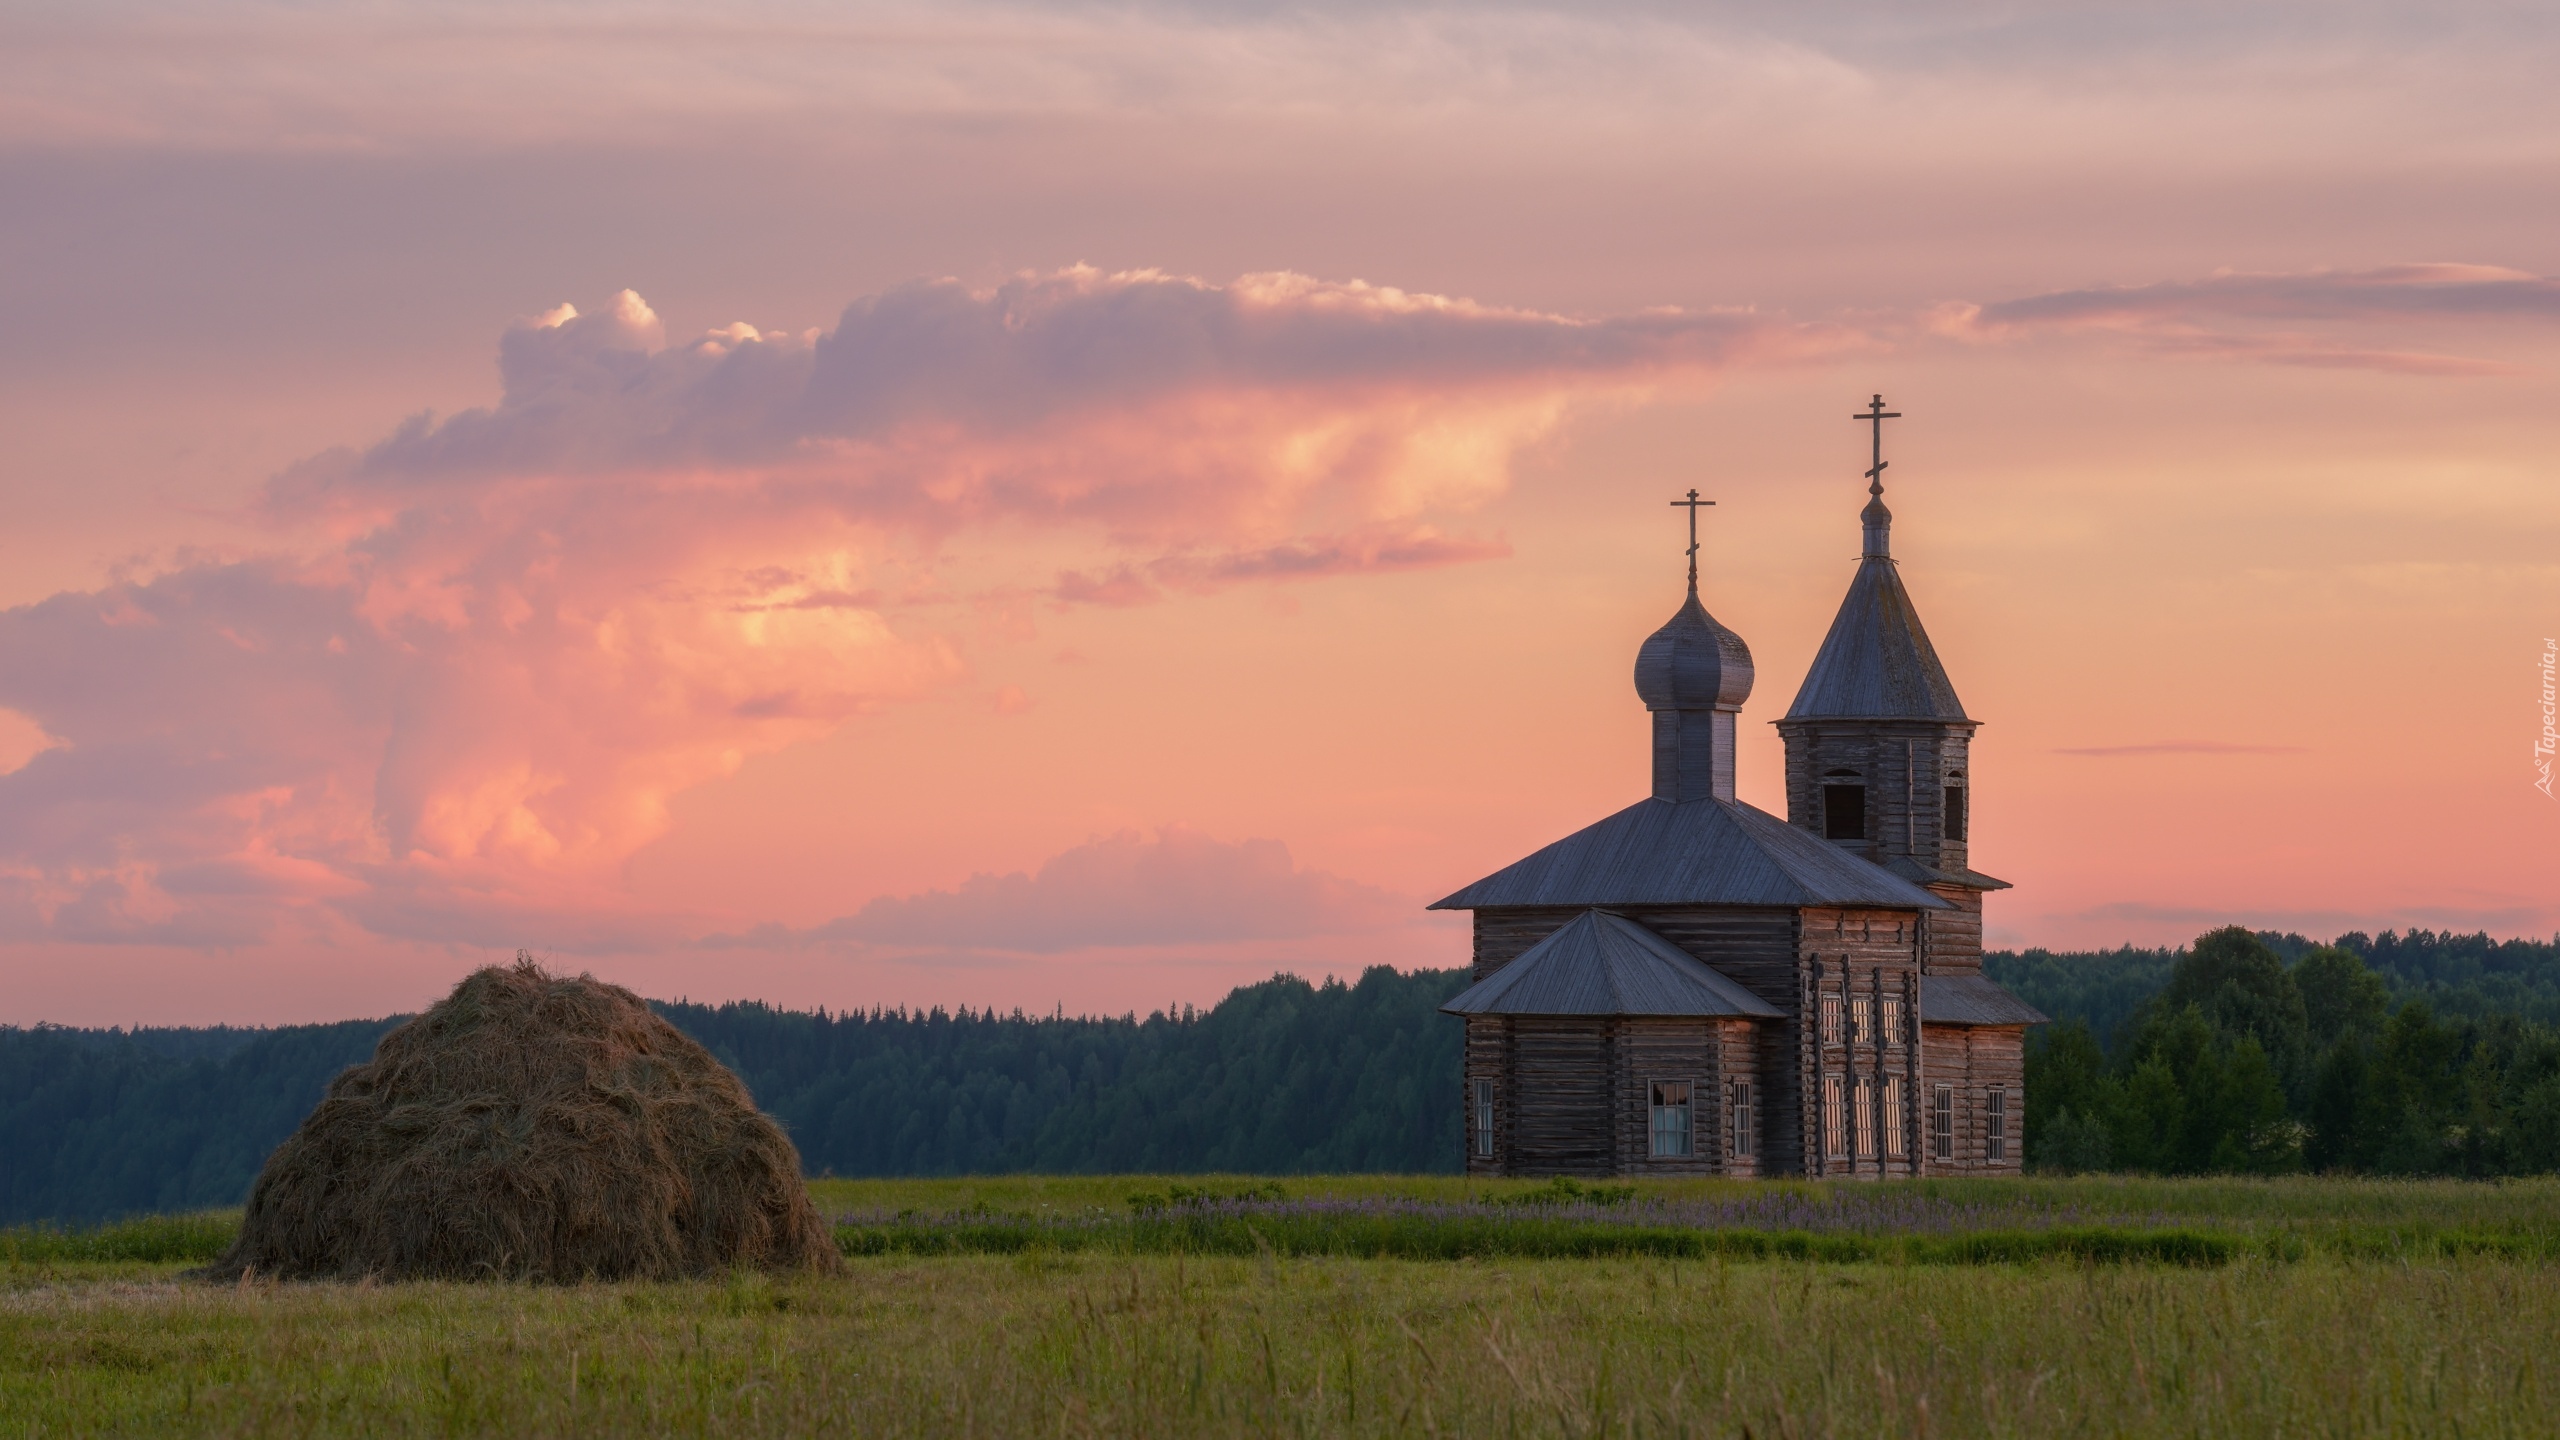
[
  {"x": 1693, "y": 674},
  {"x": 1693, "y": 663}
]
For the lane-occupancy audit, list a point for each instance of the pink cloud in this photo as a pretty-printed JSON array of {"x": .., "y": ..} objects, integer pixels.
[
  {"x": 490, "y": 649},
  {"x": 1176, "y": 887},
  {"x": 2228, "y": 315}
]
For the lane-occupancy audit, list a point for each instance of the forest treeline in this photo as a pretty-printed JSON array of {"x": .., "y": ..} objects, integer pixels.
[
  {"x": 2418, "y": 1053},
  {"x": 2256, "y": 1053},
  {"x": 1279, "y": 1078}
]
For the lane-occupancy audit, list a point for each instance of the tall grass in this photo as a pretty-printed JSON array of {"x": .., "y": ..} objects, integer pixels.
[{"x": 1048, "y": 1343}]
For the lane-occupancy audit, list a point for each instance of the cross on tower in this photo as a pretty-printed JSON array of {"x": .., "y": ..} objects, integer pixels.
[
  {"x": 1875, "y": 414},
  {"x": 1692, "y": 504}
]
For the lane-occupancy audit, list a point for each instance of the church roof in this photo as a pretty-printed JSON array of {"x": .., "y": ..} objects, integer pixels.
[
  {"x": 1696, "y": 852},
  {"x": 1972, "y": 1000},
  {"x": 1603, "y": 964},
  {"x": 1966, "y": 876},
  {"x": 1877, "y": 662}
]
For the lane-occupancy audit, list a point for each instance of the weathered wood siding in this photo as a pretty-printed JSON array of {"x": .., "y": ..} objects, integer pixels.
[
  {"x": 1952, "y": 939},
  {"x": 1661, "y": 1048},
  {"x": 1574, "y": 1096},
  {"x": 1860, "y": 959},
  {"x": 1756, "y": 949},
  {"x": 1561, "y": 1072},
  {"x": 1738, "y": 1063},
  {"x": 1974, "y": 1061},
  {"x": 1502, "y": 935},
  {"x": 1488, "y": 1057}
]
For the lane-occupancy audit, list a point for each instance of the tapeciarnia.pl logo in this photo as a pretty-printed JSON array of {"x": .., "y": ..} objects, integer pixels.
[{"x": 2542, "y": 747}]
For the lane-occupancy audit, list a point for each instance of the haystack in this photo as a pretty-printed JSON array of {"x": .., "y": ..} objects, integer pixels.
[{"x": 538, "y": 1128}]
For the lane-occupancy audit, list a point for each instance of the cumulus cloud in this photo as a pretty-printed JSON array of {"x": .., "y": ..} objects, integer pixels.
[
  {"x": 1175, "y": 887},
  {"x": 2231, "y": 314},
  {"x": 489, "y": 648},
  {"x": 936, "y": 399}
]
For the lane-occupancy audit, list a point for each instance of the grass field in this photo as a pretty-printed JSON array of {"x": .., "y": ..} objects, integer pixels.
[{"x": 1127, "y": 1333}]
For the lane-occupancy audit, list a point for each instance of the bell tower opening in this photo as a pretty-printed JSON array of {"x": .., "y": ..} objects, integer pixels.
[{"x": 1844, "y": 806}]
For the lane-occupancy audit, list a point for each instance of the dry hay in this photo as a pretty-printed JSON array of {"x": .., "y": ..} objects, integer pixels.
[{"x": 532, "y": 1127}]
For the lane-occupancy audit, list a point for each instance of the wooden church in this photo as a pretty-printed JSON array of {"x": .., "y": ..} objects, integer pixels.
[{"x": 1693, "y": 986}]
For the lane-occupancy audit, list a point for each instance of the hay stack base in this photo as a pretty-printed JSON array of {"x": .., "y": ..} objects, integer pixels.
[{"x": 531, "y": 1127}]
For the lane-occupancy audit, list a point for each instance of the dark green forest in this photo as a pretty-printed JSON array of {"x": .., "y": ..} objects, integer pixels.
[
  {"x": 2421, "y": 1054},
  {"x": 2398, "y": 1054},
  {"x": 1279, "y": 1078}
]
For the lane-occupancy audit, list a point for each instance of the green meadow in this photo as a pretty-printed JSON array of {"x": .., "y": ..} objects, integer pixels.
[{"x": 1190, "y": 1306}]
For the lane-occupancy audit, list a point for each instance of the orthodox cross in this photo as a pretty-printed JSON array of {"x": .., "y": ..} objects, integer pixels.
[
  {"x": 1692, "y": 504},
  {"x": 1875, "y": 414}
]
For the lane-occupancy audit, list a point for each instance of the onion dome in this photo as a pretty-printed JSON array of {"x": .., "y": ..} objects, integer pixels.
[{"x": 1693, "y": 663}]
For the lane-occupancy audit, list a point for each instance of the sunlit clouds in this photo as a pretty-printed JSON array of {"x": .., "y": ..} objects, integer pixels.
[
  {"x": 522, "y": 629},
  {"x": 1039, "y": 504}
]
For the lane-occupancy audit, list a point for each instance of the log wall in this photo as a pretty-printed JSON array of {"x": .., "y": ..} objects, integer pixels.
[
  {"x": 1859, "y": 958},
  {"x": 1951, "y": 940},
  {"x": 1503, "y": 935},
  {"x": 1560, "y": 1077},
  {"x": 1653, "y": 1048},
  {"x": 1975, "y": 1060}
]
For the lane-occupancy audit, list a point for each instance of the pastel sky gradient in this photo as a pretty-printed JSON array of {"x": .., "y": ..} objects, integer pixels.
[{"x": 1089, "y": 505}]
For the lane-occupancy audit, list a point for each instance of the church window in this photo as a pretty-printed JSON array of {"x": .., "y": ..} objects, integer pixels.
[
  {"x": 1844, "y": 812},
  {"x": 1955, "y": 812},
  {"x": 1893, "y": 1019},
  {"x": 1671, "y": 1119},
  {"x": 1893, "y": 1116},
  {"x": 1835, "y": 1118},
  {"x": 1866, "y": 1117},
  {"x": 1484, "y": 1118},
  {"x": 1746, "y": 1122},
  {"x": 1942, "y": 1123},
  {"x": 1830, "y": 1019},
  {"x": 1862, "y": 1020},
  {"x": 1995, "y": 1125}
]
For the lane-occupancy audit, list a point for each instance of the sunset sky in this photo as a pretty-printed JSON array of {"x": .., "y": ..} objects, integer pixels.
[{"x": 1089, "y": 505}]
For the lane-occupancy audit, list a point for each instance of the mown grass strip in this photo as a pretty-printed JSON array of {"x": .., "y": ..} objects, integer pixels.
[
  {"x": 1504, "y": 1234},
  {"x": 1513, "y": 1236},
  {"x": 1510, "y": 1237}
]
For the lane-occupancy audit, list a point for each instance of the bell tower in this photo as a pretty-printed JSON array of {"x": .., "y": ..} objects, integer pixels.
[{"x": 1878, "y": 745}]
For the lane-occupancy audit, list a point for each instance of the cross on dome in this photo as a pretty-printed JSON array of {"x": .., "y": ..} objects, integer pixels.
[
  {"x": 1877, "y": 519},
  {"x": 1692, "y": 504},
  {"x": 1875, "y": 414}
]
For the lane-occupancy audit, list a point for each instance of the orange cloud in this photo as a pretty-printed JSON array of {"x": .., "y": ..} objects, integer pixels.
[
  {"x": 1175, "y": 887},
  {"x": 506, "y": 639}
]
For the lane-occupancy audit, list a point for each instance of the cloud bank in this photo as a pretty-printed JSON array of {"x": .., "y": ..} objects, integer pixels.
[
  {"x": 2251, "y": 316},
  {"x": 488, "y": 649},
  {"x": 483, "y": 653},
  {"x": 1176, "y": 887}
]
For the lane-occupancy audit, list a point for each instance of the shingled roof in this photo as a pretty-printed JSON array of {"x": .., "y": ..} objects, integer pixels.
[
  {"x": 1877, "y": 662},
  {"x": 1603, "y": 964},
  {"x": 1694, "y": 852}
]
